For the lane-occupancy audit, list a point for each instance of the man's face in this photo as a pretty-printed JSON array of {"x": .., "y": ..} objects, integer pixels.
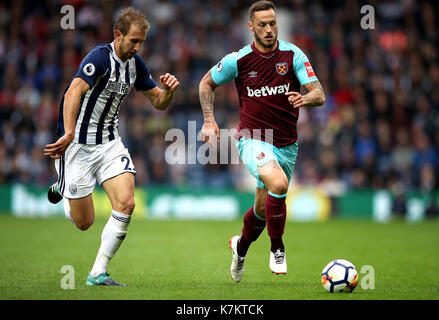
[
  {"x": 264, "y": 28},
  {"x": 128, "y": 45}
]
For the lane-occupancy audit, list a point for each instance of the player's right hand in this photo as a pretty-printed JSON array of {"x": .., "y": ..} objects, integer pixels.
[
  {"x": 296, "y": 99},
  {"x": 57, "y": 149},
  {"x": 210, "y": 133}
]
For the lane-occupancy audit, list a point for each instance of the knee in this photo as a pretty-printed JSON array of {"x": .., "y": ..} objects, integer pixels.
[
  {"x": 126, "y": 205},
  {"x": 130, "y": 205},
  {"x": 84, "y": 224},
  {"x": 280, "y": 187}
]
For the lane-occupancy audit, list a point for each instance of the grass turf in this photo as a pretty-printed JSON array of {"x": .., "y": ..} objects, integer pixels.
[{"x": 190, "y": 260}]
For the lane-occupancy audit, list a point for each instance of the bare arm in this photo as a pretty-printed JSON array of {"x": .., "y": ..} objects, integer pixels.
[
  {"x": 161, "y": 98},
  {"x": 314, "y": 96},
  {"x": 207, "y": 96},
  {"x": 72, "y": 99}
]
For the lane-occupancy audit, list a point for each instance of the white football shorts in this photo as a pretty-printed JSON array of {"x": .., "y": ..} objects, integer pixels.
[{"x": 84, "y": 164}]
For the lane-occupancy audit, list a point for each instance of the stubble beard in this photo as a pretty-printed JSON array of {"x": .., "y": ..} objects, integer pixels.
[
  {"x": 124, "y": 54},
  {"x": 269, "y": 45}
]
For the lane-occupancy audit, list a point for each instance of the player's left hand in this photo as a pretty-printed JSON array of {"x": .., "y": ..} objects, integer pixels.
[
  {"x": 169, "y": 82},
  {"x": 296, "y": 99},
  {"x": 57, "y": 149}
]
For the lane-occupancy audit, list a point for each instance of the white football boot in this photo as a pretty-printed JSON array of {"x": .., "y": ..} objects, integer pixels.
[
  {"x": 278, "y": 262},
  {"x": 237, "y": 267}
]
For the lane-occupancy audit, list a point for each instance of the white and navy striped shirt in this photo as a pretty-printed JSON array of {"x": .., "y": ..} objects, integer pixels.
[{"x": 110, "y": 81}]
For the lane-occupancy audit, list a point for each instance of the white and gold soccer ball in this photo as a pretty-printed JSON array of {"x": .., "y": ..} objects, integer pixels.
[{"x": 339, "y": 276}]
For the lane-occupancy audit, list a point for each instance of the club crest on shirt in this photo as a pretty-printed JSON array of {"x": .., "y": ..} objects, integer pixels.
[
  {"x": 282, "y": 68},
  {"x": 132, "y": 73},
  {"x": 260, "y": 156}
]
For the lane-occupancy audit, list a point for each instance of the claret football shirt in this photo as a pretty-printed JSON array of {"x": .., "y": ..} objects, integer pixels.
[{"x": 262, "y": 79}]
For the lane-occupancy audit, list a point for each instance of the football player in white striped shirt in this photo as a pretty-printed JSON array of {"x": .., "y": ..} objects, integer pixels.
[{"x": 89, "y": 148}]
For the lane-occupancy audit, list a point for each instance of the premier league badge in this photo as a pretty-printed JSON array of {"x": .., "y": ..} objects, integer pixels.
[{"x": 282, "y": 68}]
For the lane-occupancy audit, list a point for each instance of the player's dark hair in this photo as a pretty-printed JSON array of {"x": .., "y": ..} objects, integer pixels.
[
  {"x": 130, "y": 16},
  {"x": 260, "y": 6}
]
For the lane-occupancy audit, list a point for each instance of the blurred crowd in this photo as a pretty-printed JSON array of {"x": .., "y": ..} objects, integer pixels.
[{"x": 379, "y": 127}]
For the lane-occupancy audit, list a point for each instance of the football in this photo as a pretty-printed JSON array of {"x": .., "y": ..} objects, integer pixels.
[{"x": 339, "y": 276}]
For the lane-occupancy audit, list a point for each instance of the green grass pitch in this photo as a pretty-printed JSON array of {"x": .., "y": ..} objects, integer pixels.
[{"x": 190, "y": 260}]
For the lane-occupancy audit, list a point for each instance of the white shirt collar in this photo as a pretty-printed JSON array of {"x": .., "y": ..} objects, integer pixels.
[{"x": 115, "y": 55}]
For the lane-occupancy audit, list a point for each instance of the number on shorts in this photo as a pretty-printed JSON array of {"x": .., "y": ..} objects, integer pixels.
[{"x": 127, "y": 166}]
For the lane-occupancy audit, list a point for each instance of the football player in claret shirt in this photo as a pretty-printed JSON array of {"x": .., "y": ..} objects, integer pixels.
[
  {"x": 268, "y": 75},
  {"x": 89, "y": 148}
]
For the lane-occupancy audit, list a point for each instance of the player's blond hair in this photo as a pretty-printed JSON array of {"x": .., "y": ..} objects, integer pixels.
[
  {"x": 130, "y": 16},
  {"x": 260, "y": 6}
]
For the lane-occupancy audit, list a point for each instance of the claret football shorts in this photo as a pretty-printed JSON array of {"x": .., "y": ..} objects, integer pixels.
[
  {"x": 84, "y": 164},
  {"x": 255, "y": 153}
]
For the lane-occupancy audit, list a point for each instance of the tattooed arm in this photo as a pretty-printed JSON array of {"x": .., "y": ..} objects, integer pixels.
[
  {"x": 314, "y": 96},
  {"x": 207, "y": 97}
]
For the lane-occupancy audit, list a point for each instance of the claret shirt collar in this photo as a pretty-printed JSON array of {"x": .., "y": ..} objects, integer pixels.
[{"x": 266, "y": 54}]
